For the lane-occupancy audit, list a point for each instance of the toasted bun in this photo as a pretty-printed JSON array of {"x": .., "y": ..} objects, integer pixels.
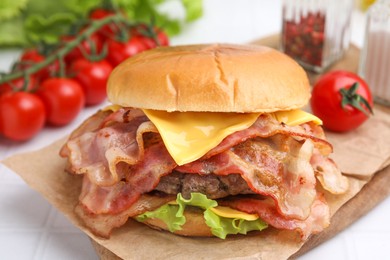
[
  {"x": 215, "y": 78},
  {"x": 195, "y": 225}
]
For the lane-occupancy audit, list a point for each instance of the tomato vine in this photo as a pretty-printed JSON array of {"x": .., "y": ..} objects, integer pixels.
[{"x": 80, "y": 64}]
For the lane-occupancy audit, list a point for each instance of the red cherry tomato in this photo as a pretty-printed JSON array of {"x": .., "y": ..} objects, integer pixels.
[
  {"x": 100, "y": 13},
  {"x": 31, "y": 57},
  {"x": 120, "y": 51},
  {"x": 93, "y": 77},
  {"x": 327, "y": 100},
  {"x": 162, "y": 37},
  {"x": 22, "y": 115},
  {"x": 18, "y": 85},
  {"x": 151, "y": 43},
  {"x": 86, "y": 46},
  {"x": 108, "y": 30},
  {"x": 146, "y": 33},
  {"x": 63, "y": 99}
]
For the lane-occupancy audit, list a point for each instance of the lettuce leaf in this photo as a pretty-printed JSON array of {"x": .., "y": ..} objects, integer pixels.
[
  {"x": 45, "y": 20},
  {"x": 12, "y": 33},
  {"x": 168, "y": 214},
  {"x": 173, "y": 217},
  {"x": 11, "y": 8},
  {"x": 221, "y": 226},
  {"x": 47, "y": 29},
  {"x": 193, "y": 9}
]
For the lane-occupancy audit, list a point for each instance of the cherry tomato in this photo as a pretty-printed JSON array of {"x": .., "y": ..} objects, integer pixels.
[
  {"x": 93, "y": 77},
  {"x": 18, "y": 85},
  {"x": 146, "y": 33},
  {"x": 100, "y": 13},
  {"x": 162, "y": 37},
  {"x": 22, "y": 115},
  {"x": 108, "y": 30},
  {"x": 120, "y": 51},
  {"x": 151, "y": 43},
  {"x": 31, "y": 57},
  {"x": 339, "y": 102},
  {"x": 63, "y": 99},
  {"x": 86, "y": 46}
]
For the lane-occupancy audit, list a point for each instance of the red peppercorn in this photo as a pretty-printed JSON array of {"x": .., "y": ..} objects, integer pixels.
[{"x": 304, "y": 40}]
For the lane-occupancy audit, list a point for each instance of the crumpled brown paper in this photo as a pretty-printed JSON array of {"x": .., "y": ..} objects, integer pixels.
[
  {"x": 360, "y": 154},
  {"x": 365, "y": 150}
]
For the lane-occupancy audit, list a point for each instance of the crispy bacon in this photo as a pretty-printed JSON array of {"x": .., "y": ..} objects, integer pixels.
[
  {"x": 123, "y": 158},
  {"x": 89, "y": 125},
  {"x": 265, "y": 208},
  {"x": 133, "y": 181},
  {"x": 278, "y": 167},
  {"x": 267, "y": 126},
  {"x": 103, "y": 224},
  {"x": 329, "y": 174}
]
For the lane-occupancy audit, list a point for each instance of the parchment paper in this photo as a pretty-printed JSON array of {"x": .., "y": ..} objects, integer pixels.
[
  {"x": 365, "y": 150},
  {"x": 360, "y": 153}
]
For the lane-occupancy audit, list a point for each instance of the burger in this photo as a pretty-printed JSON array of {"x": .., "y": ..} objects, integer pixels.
[{"x": 205, "y": 140}]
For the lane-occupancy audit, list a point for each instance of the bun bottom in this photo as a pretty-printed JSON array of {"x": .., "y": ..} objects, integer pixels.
[{"x": 195, "y": 225}]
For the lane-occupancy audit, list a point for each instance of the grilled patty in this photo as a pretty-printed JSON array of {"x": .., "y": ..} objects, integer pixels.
[{"x": 213, "y": 186}]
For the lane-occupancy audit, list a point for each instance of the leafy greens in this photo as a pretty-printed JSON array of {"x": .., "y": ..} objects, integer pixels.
[
  {"x": 27, "y": 22},
  {"x": 173, "y": 217}
]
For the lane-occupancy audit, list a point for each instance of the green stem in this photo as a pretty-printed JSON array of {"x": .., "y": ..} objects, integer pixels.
[
  {"x": 61, "y": 52},
  {"x": 62, "y": 68},
  {"x": 352, "y": 98}
]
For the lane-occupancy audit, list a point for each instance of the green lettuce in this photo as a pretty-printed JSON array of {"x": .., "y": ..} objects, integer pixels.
[
  {"x": 173, "y": 217},
  {"x": 28, "y": 22}
]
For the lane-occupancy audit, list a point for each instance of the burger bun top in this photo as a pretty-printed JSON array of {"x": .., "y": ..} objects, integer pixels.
[{"x": 210, "y": 78}]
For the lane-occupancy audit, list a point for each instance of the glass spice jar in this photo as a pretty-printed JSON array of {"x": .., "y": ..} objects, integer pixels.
[
  {"x": 374, "y": 65},
  {"x": 316, "y": 33}
]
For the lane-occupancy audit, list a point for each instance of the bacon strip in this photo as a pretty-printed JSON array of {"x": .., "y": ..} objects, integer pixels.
[
  {"x": 136, "y": 179},
  {"x": 266, "y": 126},
  {"x": 265, "y": 208},
  {"x": 278, "y": 167},
  {"x": 103, "y": 224},
  {"x": 89, "y": 125},
  {"x": 124, "y": 158},
  {"x": 329, "y": 174}
]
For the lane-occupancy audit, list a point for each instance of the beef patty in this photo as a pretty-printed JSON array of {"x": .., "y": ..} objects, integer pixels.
[{"x": 213, "y": 186}]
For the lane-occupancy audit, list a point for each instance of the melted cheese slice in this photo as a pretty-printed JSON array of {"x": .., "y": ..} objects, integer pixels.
[
  {"x": 190, "y": 135},
  {"x": 296, "y": 117},
  {"x": 227, "y": 212}
]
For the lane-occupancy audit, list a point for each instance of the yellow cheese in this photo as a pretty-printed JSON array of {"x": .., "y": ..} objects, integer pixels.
[
  {"x": 227, "y": 212},
  {"x": 113, "y": 108},
  {"x": 296, "y": 117},
  {"x": 190, "y": 135}
]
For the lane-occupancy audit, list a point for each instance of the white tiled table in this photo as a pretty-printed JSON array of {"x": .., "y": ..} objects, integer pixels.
[{"x": 30, "y": 228}]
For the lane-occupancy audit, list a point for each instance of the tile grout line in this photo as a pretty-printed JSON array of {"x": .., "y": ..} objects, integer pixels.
[{"x": 44, "y": 237}]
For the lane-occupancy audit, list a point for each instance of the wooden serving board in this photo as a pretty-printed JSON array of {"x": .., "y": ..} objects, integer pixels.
[{"x": 375, "y": 191}]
